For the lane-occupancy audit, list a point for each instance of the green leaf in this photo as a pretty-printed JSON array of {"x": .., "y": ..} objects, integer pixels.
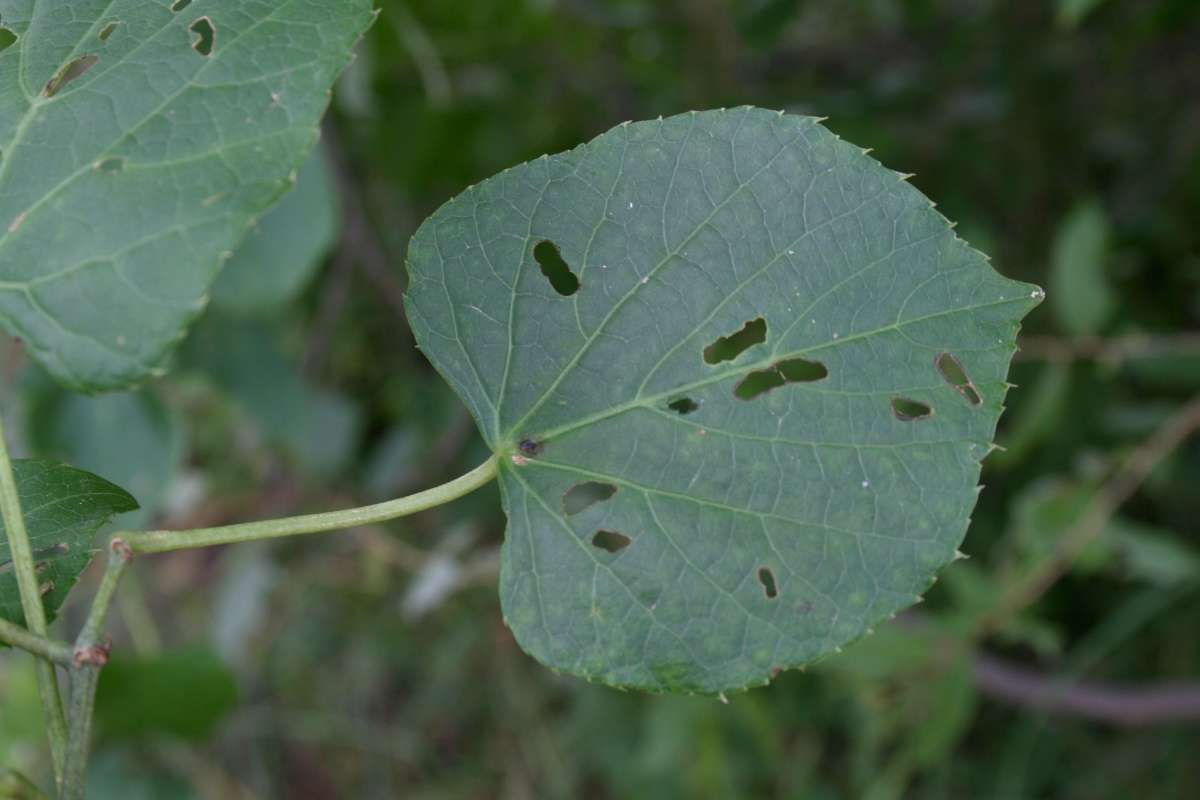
[
  {"x": 185, "y": 693},
  {"x": 316, "y": 425},
  {"x": 131, "y": 437},
  {"x": 1080, "y": 292},
  {"x": 63, "y": 507},
  {"x": 1148, "y": 553},
  {"x": 283, "y": 250},
  {"x": 1038, "y": 417},
  {"x": 138, "y": 144},
  {"x": 1072, "y": 12},
  {"x": 744, "y": 535}
]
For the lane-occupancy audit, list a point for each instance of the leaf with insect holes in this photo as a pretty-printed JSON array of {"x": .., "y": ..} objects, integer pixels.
[
  {"x": 63, "y": 508},
  {"x": 749, "y": 426},
  {"x": 138, "y": 143}
]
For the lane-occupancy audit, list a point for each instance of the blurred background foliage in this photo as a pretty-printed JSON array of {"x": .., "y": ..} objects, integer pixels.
[{"x": 1059, "y": 661}]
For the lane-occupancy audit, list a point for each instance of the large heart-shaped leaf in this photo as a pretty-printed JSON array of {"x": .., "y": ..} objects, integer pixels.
[
  {"x": 740, "y": 377},
  {"x": 63, "y": 508},
  {"x": 139, "y": 140}
]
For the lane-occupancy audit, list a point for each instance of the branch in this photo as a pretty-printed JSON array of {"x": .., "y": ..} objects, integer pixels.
[
  {"x": 1095, "y": 517},
  {"x": 358, "y": 235},
  {"x": 90, "y": 655},
  {"x": 1110, "y": 350},
  {"x": 40, "y": 646},
  {"x": 1118, "y": 704},
  {"x": 31, "y": 604}
]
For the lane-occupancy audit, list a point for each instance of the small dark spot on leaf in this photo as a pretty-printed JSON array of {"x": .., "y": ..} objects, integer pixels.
[
  {"x": 70, "y": 71},
  {"x": 58, "y": 549},
  {"x": 906, "y": 409},
  {"x": 7, "y": 39},
  {"x": 529, "y": 447},
  {"x": 727, "y": 348},
  {"x": 611, "y": 541},
  {"x": 791, "y": 370},
  {"x": 584, "y": 495},
  {"x": 180, "y": 5},
  {"x": 767, "y": 578},
  {"x": 107, "y": 31},
  {"x": 555, "y": 269},
  {"x": 206, "y": 36},
  {"x": 952, "y": 370},
  {"x": 683, "y": 405},
  {"x": 111, "y": 166}
]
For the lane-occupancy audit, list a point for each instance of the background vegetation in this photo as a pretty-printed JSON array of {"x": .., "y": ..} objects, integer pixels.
[{"x": 1060, "y": 660}]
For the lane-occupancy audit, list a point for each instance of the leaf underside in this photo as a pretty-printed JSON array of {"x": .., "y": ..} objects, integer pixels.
[
  {"x": 63, "y": 508},
  {"x": 778, "y": 364},
  {"x": 137, "y": 145}
]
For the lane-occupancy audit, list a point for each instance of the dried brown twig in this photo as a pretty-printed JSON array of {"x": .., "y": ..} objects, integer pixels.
[
  {"x": 1114, "y": 703},
  {"x": 1109, "y": 350}
]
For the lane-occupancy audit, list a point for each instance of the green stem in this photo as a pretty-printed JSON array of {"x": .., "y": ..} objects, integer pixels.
[
  {"x": 49, "y": 649},
  {"x": 164, "y": 541},
  {"x": 82, "y": 703},
  {"x": 31, "y": 604},
  {"x": 90, "y": 655}
]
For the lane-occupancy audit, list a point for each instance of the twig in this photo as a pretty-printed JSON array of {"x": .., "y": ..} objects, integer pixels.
[
  {"x": 359, "y": 245},
  {"x": 49, "y": 649},
  {"x": 1109, "y": 350},
  {"x": 1118, "y": 704},
  {"x": 31, "y": 604},
  {"x": 90, "y": 655},
  {"x": 428, "y": 61},
  {"x": 1119, "y": 488},
  {"x": 358, "y": 236},
  {"x": 333, "y": 301}
]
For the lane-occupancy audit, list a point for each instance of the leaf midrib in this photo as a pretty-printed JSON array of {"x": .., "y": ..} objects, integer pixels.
[{"x": 745, "y": 367}]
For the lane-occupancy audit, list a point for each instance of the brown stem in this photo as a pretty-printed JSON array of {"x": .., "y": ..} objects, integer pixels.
[
  {"x": 1110, "y": 350},
  {"x": 1118, "y": 704}
]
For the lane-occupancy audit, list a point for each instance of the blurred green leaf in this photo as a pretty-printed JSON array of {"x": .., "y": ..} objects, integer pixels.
[
  {"x": 181, "y": 693},
  {"x": 1034, "y": 421},
  {"x": 1073, "y": 12},
  {"x": 1079, "y": 288},
  {"x": 1142, "y": 552},
  {"x": 63, "y": 508},
  {"x": 21, "y": 730},
  {"x": 764, "y": 21},
  {"x": 975, "y": 592},
  {"x": 1125, "y": 548},
  {"x": 281, "y": 253},
  {"x": 127, "y": 774},
  {"x": 317, "y": 426},
  {"x": 132, "y": 438}
]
